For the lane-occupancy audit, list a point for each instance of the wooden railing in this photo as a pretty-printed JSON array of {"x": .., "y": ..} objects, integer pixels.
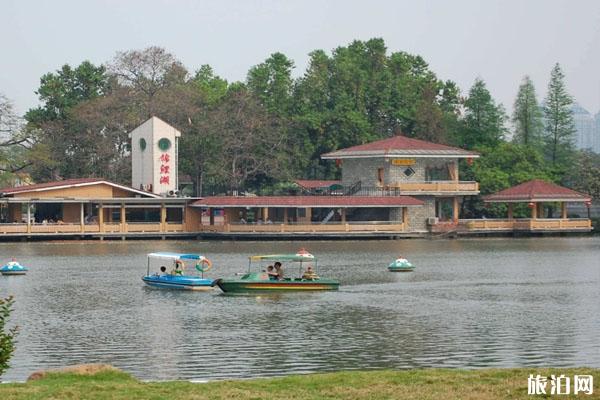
[
  {"x": 436, "y": 186},
  {"x": 304, "y": 228},
  {"x": 107, "y": 227},
  {"x": 13, "y": 228},
  {"x": 174, "y": 227},
  {"x": 550, "y": 224},
  {"x": 143, "y": 227},
  {"x": 56, "y": 228}
]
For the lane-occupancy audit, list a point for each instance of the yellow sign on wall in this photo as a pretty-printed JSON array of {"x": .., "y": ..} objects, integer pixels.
[{"x": 403, "y": 161}]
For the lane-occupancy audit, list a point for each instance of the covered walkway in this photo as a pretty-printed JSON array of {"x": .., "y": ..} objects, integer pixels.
[
  {"x": 307, "y": 214},
  {"x": 542, "y": 198}
]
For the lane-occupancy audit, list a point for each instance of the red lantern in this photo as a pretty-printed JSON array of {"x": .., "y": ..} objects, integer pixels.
[
  {"x": 531, "y": 205},
  {"x": 588, "y": 204},
  {"x": 470, "y": 161}
]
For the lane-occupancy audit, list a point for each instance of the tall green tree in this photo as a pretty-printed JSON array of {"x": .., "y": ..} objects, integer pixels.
[
  {"x": 56, "y": 133},
  {"x": 244, "y": 140},
  {"x": 584, "y": 174},
  {"x": 272, "y": 83},
  {"x": 527, "y": 116},
  {"x": 484, "y": 119},
  {"x": 212, "y": 87},
  {"x": 559, "y": 124},
  {"x": 429, "y": 118},
  {"x": 410, "y": 77},
  {"x": 499, "y": 167},
  {"x": 62, "y": 90}
]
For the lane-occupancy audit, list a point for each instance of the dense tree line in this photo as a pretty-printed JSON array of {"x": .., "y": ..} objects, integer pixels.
[{"x": 259, "y": 134}]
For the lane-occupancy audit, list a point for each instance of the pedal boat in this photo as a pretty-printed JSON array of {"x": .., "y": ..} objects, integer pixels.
[
  {"x": 401, "y": 265},
  {"x": 177, "y": 275},
  {"x": 262, "y": 282},
  {"x": 13, "y": 268}
]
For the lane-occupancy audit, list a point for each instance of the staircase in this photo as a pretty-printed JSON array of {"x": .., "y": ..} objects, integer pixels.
[
  {"x": 352, "y": 190},
  {"x": 328, "y": 217}
]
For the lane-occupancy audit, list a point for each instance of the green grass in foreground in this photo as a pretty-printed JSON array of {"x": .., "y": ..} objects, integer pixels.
[{"x": 409, "y": 384}]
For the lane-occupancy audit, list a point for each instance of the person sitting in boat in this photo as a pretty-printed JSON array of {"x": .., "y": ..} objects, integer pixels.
[
  {"x": 271, "y": 273},
  {"x": 401, "y": 260},
  {"x": 163, "y": 271},
  {"x": 310, "y": 274},
  {"x": 13, "y": 263},
  {"x": 278, "y": 270},
  {"x": 178, "y": 268}
]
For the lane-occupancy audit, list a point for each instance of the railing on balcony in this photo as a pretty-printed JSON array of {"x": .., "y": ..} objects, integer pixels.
[
  {"x": 396, "y": 189},
  {"x": 436, "y": 186}
]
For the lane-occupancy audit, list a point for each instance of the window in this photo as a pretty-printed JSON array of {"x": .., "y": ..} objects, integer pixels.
[
  {"x": 143, "y": 144},
  {"x": 437, "y": 174},
  {"x": 380, "y": 176},
  {"x": 409, "y": 172},
  {"x": 164, "y": 144}
]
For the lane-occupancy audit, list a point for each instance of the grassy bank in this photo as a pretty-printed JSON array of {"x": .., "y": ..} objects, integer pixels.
[{"x": 410, "y": 384}]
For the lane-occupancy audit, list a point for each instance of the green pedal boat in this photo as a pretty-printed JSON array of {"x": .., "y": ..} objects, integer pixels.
[
  {"x": 401, "y": 265},
  {"x": 272, "y": 278}
]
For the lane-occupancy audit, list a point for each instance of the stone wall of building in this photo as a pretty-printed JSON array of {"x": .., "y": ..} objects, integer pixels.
[
  {"x": 361, "y": 169},
  {"x": 365, "y": 170},
  {"x": 417, "y": 216},
  {"x": 396, "y": 214}
]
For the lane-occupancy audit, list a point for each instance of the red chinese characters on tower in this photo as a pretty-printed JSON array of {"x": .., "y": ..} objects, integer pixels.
[{"x": 164, "y": 169}]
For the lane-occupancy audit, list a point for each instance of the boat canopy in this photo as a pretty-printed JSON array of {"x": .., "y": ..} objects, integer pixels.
[
  {"x": 176, "y": 256},
  {"x": 284, "y": 257}
]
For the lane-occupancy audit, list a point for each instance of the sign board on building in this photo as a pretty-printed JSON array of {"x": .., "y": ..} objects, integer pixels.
[{"x": 403, "y": 161}]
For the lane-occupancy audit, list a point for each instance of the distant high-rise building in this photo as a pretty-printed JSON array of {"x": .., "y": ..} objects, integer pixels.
[
  {"x": 596, "y": 141},
  {"x": 586, "y": 128}
]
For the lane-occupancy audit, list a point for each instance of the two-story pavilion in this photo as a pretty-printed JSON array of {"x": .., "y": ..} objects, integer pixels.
[{"x": 405, "y": 166}]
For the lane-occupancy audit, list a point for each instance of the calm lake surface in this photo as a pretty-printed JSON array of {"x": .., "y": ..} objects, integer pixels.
[{"x": 469, "y": 304}]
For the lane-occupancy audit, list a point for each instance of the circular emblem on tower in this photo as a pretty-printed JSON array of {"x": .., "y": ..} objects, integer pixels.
[{"x": 164, "y": 144}]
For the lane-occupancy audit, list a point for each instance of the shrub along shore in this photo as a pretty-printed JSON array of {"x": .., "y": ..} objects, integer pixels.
[{"x": 110, "y": 383}]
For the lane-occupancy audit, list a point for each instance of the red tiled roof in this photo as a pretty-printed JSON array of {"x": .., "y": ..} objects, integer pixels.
[
  {"x": 45, "y": 185},
  {"x": 308, "y": 201},
  {"x": 67, "y": 183},
  {"x": 536, "y": 190},
  {"x": 315, "y": 184},
  {"x": 399, "y": 145}
]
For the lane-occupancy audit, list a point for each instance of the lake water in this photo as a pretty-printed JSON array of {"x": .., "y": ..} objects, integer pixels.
[{"x": 468, "y": 304}]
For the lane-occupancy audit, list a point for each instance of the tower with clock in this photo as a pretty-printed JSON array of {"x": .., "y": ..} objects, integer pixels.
[{"x": 154, "y": 146}]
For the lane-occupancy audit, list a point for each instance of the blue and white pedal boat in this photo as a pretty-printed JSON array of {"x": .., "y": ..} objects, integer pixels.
[
  {"x": 13, "y": 268},
  {"x": 178, "y": 271}
]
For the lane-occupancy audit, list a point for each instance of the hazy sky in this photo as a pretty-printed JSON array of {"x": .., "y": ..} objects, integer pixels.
[{"x": 499, "y": 41}]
